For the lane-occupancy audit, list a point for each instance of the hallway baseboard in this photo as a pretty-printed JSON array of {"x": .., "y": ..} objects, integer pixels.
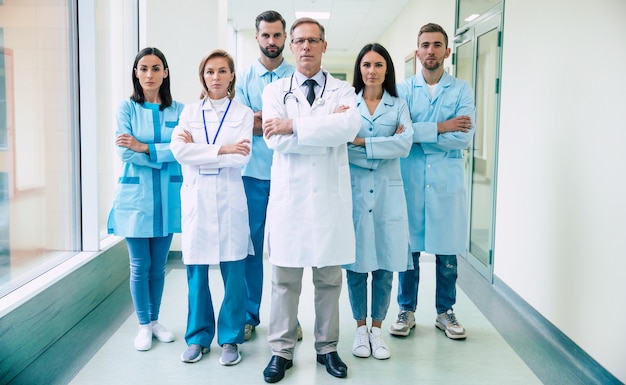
[{"x": 550, "y": 354}]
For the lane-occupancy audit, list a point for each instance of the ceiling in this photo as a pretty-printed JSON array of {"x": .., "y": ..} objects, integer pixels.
[{"x": 352, "y": 24}]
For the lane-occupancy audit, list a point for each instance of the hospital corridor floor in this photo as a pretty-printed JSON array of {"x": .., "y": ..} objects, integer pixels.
[{"x": 426, "y": 356}]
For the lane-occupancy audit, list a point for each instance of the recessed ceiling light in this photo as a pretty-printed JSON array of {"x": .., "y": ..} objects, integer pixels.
[{"x": 314, "y": 15}]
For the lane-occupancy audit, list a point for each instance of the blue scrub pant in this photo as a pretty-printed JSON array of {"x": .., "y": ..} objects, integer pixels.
[
  {"x": 381, "y": 293},
  {"x": 445, "y": 292},
  {"x": 200, "y": 314},
  {"x": 257, "y": 194},
  {"x": 148, "y": 257}
]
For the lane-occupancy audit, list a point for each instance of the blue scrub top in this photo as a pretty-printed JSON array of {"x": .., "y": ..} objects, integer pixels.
[
  {"x": 147, "y": 198},
  {"x": 434, "y": 172},
  {"x": 248, "y": 91}
]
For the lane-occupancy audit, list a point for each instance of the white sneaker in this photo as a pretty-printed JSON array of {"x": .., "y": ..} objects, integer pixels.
[
  {"x": 404, "y": 323},
  {"x": 380, "y": 350},
  {"x": 143, "y": 341},
  {"x": 448, "y": 323},
  {"x": 361, "y": 346},
  {"x": 161, "y": 333}
]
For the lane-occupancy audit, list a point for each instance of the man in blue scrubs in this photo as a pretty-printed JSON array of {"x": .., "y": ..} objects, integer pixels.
[
  {"x": 271, "y": 35},
  {"x": 443, "y": 114}
]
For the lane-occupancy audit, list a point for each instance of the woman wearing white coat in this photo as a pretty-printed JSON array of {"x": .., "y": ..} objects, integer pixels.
[{"x": 212, "y": 142}]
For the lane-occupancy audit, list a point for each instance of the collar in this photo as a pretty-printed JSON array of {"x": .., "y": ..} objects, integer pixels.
[
  {"x": 387, "y": 99},
  {"x": 282, "y": 71},
  {"x": 318, "y": 77}
]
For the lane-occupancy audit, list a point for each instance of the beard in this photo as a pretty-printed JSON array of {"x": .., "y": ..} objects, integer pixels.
[
  {"x": 272, "y": 54},
  {"x": 432, "y": 64}
]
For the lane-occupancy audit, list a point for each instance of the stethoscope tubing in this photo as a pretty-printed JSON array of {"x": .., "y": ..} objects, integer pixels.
[{"x": 319, "y": 100}]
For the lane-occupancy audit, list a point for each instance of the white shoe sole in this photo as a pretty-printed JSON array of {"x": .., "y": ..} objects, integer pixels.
[
  {"x": 402, "y": 333},
  {"x": 198, "y": 358},
  {"x": 361, "y": 355},
  {"x": 450, "y": 335},
  {"x": 232, "y": 362}
]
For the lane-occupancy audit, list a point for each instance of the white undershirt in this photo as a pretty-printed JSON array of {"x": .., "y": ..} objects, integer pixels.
[
  {"x": 217, "y": 104},
  {"x": 432, "y": 88}
]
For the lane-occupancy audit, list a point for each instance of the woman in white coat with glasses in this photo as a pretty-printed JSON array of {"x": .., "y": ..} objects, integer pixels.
[{"x": 212, "y": 143}]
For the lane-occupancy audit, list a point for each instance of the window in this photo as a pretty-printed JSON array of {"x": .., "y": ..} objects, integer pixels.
[{"x": 41, "y": 160}]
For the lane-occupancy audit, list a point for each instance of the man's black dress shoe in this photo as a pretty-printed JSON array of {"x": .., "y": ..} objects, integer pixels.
[
  {"x": 275, "y": 370},
  {"x": 333, "y": 363}
]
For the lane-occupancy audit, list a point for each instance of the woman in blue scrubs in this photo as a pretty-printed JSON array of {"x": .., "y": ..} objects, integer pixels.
[{"x": 146, "y": 207}]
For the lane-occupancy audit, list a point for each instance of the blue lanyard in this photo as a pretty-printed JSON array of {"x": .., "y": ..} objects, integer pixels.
[{"x": 206, "y": 133}]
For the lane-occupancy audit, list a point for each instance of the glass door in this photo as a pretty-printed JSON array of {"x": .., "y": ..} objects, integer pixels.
[{"x": 478, "y": 62}]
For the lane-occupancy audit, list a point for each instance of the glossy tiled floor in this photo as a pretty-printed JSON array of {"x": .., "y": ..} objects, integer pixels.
[{"x": 425, "y": 357}]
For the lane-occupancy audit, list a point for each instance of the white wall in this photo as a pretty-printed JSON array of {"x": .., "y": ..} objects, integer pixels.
[
  {"x": 401, "y": 37},
  {"x": 561, "y": 176},
  {"x": 185, "y": 37},
  {"x": 560, "y": 227}
]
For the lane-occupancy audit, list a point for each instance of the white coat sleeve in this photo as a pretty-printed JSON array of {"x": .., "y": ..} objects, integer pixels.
[
  {"x": 315, "y": 132},
  {"x": 196, "y": 153},
  {"x": 199, "y": 153}
]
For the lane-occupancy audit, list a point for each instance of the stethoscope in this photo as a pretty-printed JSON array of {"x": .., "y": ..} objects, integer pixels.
[{"x": 319, "y": 101}]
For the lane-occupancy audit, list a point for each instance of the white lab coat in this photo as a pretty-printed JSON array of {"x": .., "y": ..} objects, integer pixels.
[
  {"x": 309, "y": 215},
  {"x": 213, "y": 202}
]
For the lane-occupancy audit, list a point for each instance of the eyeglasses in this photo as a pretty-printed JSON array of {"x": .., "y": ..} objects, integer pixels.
[{"x": 310, "y": 40}]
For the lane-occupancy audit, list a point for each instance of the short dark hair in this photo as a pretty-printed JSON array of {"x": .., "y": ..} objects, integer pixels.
[
  {"x": 270, "y": 17},
  {"x": 432, "y": 27},
  {"x": 164, "y": 91},
  {"x": 389, "y": 84},
  {"x": 231, "y": 66},
  {"x": 307, "y": 20}
]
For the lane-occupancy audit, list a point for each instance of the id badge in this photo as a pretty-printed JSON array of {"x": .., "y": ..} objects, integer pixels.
[{"x": 209, "y": 171}]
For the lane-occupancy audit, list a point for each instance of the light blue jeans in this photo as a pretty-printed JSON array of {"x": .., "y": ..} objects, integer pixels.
[
  {"x": 445, "y": 290},
  {"x": 381, "y": 293},
  {"x": 148, "y": 257}
]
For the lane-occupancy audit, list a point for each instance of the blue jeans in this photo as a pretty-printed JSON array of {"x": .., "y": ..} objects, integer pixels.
[
  {"x": 257, "y": 194},
  {"x": 148, "y": 257},
  {"x": 445, "y": 292},
  {"x": 381, "y": 293},
  {"x": 200, "y": 314}
]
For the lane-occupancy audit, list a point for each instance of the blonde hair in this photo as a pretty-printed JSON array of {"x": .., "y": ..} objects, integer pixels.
[{"x": 231, "y": 65}]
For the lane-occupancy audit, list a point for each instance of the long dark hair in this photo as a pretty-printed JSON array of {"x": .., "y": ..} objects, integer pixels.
[
  {"x": 164, "y": 90},
  {"x": 389, "y": 84}
]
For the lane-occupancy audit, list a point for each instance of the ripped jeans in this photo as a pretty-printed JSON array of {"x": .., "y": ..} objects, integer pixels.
[{"x": 445, "y": 292}]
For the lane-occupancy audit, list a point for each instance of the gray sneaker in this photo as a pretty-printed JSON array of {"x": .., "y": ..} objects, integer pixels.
[
  {"x": 193, "y": 353},
  {"x": 448, "y": 323},
  {"x": 403, "y": 324},
  {"x": 230, "y": 355}
]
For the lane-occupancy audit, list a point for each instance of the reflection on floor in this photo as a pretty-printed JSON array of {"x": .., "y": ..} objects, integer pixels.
[{"x": 425, "y": 357}]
